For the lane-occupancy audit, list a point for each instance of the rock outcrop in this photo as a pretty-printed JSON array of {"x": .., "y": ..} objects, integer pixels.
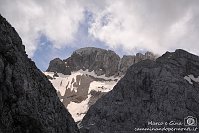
[
  {"x": 152, "y": 94},
  {"x": 101, "y": 61},
  {"x": 128, "y": 60},
  {"x": 28, "y": 101},
  {"x": 94, "y": 59},
  {"x": 59, "y": 66}
]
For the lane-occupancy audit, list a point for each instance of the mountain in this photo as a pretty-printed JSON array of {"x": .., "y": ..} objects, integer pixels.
[
  {"x": 28, "y": 101},
  {"x": 80, "y": 90},
  {"x": 156, "y": 95},
  {"x": 101, "y": 61},
  {"x": 88, "y": 74}
]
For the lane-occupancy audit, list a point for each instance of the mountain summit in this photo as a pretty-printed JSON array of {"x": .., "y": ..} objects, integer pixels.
[{"x": 101, "y": 61}]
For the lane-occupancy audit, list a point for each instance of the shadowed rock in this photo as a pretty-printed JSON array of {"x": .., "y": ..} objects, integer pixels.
[
  {"x": 151, "y": 91},
  {"x": 28, "y": 101},
  {"x": 57, "y": 65}
]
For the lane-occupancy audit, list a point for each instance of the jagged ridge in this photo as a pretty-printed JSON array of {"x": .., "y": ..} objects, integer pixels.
[{"x": 101, "y": 61}]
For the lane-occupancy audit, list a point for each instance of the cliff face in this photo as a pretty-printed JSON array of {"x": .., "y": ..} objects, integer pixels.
[
  {"x": 28, "y": 101},
  {"x": 164, "y": 90},
  {"x": 127, "y": 60},
  {"x": 59, "y": 66},
  {"x": 101, "y": 61},
  {"x": 94, "y": 59}
]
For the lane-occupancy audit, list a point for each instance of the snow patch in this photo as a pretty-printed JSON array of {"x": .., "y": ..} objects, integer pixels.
[
  {"x": 92, "y": 73},
  {"x": 60, "y": 83},
  {"x": 78, "y": 110},
  {"x": 191, "y": 78},
  {"x": 103, "y": 86},
  {"x": 65, "y": 82}
]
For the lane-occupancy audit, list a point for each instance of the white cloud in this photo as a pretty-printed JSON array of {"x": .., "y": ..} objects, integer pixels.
[
  {"x": 155, "y": 25},
  {"x": 58, "y": 20}
]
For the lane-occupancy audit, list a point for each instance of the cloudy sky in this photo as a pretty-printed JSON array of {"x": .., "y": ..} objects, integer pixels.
[{"x": 54, "y": 28}]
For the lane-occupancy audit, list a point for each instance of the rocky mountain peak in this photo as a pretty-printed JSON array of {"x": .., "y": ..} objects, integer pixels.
[
  {"x": 28, "y": 101},
  {"x": 90, "y": 50},
  {"x": 59, "y": 66},
  {"x": 101, "y": 61},
  {"x": 164, "y": 90},
  {"x": 88, "y": 74},
  {"x": 180, "y": 53}
]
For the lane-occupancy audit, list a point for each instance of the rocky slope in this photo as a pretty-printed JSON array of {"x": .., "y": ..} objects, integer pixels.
[
  {"x": 152, "y": 94},
  {"x": 87, "y": 75},
  {"x": 28, "y": 101}
]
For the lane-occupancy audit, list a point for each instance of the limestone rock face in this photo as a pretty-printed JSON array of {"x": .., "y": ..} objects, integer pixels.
[
  {"x": 101, "y": 61},
  {"x": 28, "y": 101},
  {"x": 59, "y": 66},
  {"x": 164, "y": 90},
  {"x": 128, "y": 60},
  {"x": 94, "y": 59}
]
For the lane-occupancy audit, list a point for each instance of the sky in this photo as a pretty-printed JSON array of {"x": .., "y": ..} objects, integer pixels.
[{"x": 55, "y": 28}]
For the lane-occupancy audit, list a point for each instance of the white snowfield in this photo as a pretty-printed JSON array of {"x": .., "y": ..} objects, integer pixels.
[
  {"x": 191, "y": 78},
  {"x": 78, "y": 110},
  {"x": 73, "y": 83}
]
